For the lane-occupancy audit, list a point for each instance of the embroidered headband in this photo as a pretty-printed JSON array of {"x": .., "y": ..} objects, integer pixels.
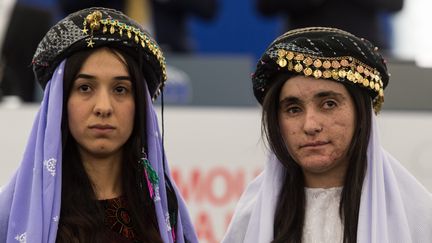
[
  {"x": 326, "y": 53},
  {"x": 95, "y": 27}
]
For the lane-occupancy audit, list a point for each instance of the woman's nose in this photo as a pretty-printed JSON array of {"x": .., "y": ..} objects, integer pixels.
[
  {"x": 312, "y": 123},
  {"x": 103, "y": 106}
]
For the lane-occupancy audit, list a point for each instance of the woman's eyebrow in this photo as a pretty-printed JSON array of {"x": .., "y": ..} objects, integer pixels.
[
  {"x": 290, "y": 100},
  {"x": 84, "y": 76},
  {"x": 119, "y": 78},
  {"x": 324, "y": 94},
  {"x": 88, "y": 76}
]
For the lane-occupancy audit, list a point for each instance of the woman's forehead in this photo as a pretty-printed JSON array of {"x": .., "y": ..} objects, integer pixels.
[
  {"x": 105, "y": 58},
  {"x": 307, "y": 88}
]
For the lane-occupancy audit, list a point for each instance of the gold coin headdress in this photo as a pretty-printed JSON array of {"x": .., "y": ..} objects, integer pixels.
[{"x": 323, "y": 53}]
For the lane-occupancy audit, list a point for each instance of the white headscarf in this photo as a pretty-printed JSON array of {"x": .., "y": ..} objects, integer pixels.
[{"x": 394, "y": 206}]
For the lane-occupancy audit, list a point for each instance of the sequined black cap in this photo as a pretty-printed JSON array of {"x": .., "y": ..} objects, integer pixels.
[
  {"x": 326, "y": 53},
  {"x": 95, "y": 27}
]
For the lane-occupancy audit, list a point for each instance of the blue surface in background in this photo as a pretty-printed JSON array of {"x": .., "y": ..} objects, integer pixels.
[{"x": 237, "y": 28}]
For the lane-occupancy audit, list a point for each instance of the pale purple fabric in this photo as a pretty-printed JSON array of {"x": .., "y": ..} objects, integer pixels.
[
  {"x": 155, "y": 156},
  {"x": 30, "y": 203}
]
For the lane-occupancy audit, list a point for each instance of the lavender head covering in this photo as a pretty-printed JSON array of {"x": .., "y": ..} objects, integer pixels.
[{"x": 30, "y": 202}]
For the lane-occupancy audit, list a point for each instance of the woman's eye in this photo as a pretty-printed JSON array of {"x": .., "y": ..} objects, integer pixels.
[
  {"x": 293, "y": 110},
  {"x": 329, "y": 104},
  {"x": 120, "y": 90},
  {"x": 84, "y": 88}
]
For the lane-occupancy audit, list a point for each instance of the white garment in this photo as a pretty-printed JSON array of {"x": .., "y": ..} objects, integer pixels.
[
  {"x": 394, "y": 206},
  {"x": 322, "y": 220}
]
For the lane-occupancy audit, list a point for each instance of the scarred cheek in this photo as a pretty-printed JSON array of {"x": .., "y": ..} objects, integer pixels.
[
  {"x": 341, "y": 143},
  {"x": 336, "y": 155}
]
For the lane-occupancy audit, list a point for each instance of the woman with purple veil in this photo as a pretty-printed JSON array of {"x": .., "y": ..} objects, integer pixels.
[{"x": 94, "y": 169}]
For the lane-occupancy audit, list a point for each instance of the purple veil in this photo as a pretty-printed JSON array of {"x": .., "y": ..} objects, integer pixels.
[{"x": 30, "y": 203}]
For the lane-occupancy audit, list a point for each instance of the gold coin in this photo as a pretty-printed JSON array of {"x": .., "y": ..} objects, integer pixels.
[
  {"x": 326, "y": 64},
  {"x": 307, "y": 72},
  {"x": 317, "y": 73},
  {"x": 317, "y": 63},
  {"x": 344, "y": 62},
  {"x": 335, "y": 64},
  {"x": 298, "y": 67},
  {"x": 282, "y": 62},
  {"x": 281, "y": 53},
  {"x": 335, "y": 75},
  {"x": 365, "y": 82},
  {"x": 350, "y": 76},
  {"x": 377, "y": 87},
  {"x": 308, "y": 61},
  {"x": 290, "y": 55},
  {"x": 299, "y": 57}
]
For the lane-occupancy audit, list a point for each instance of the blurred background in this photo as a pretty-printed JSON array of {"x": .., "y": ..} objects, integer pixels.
[{"x": 212, "y": 122}]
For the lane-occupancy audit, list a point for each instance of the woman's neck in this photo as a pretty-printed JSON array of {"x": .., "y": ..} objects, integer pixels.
[
  {"x": 325, "y": 180},
  {"x": 105, "y": 174}
]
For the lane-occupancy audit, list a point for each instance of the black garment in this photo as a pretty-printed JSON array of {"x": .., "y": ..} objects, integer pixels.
[
  {"x": 27, "y": 27},
  {"x": 169, "y": 18},
  {"x": 359, "y": 17},
  {"x": 119, "y": 222}
]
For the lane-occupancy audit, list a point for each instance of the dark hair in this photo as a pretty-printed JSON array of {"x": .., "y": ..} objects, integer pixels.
[
  {"x": 290, "y": 210},
  {"x": 81, "y": 216}
]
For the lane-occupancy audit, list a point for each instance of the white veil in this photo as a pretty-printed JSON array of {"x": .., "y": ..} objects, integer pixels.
[{"x": 394, "y": 206}]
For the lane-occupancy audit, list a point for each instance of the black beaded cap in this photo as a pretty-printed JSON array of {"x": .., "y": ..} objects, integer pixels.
[
  {"x": 96, "y": 27},
  {"x": 326, "y": 53}
]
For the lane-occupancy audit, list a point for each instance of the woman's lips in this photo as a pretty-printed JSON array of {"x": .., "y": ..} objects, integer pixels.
[
  {"x": 314, "y": 144},
  {"x": 102, "y": 128}
]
